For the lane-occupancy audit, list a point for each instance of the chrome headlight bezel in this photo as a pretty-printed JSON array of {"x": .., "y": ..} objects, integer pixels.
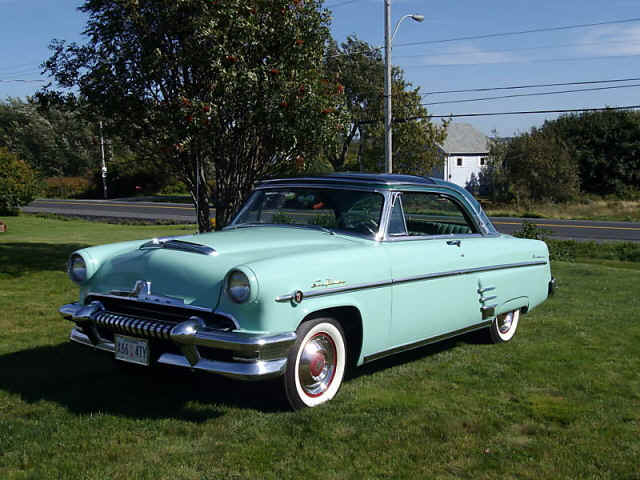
[
  {"x": 238, "y": 286},
  {"x": 77, "y": 268}
]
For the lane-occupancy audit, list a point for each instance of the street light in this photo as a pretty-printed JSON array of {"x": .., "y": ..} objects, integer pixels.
[{"x": 388, "y": 40}]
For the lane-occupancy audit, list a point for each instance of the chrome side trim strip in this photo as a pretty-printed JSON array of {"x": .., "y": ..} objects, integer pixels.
[
  {"x": 331, "y": 291},
  {"x": 426, "y": 341},
  {"x": 429, "y": 276},
  {"x": 487, "y": 299},
  {"x": 486, "y": 289}
]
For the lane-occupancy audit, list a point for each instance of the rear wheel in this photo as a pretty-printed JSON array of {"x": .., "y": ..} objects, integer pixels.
[
  {"x": 316, "y": 363},
  {"x": 504, "y": 326}
]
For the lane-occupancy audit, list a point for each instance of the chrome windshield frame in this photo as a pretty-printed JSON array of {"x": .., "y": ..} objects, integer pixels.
[{"x": 384, "y": 213}]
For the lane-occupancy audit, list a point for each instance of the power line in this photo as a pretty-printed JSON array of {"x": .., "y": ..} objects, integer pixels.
[
  {"x": 536, "y": 94},
  {"x": 524, "y": 112},
  {"x": 492, "y": 114},
  {"x": 336, "y": 5},
  {"x": 495, "y": 35},
  {"x": 520, "y": 32},
  {"x": 538, "y": 85},
  {"x": 22, "y": 81}
]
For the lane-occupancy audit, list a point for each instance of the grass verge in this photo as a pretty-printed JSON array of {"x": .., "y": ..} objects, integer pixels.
[
  {"x": 560, "y": 401},
  {"x": 601, "y": 210}
]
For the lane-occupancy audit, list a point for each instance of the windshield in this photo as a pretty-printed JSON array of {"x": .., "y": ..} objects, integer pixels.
[{"x": 348, "y": 211}]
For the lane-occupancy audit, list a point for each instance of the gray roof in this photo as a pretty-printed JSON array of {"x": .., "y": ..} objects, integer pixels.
[{"x": 462, "y": 138}]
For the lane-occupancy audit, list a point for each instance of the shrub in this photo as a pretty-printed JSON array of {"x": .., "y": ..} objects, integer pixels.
[
  {"x": 66, "y": 187},
  {"x": 19, "y": 183}
]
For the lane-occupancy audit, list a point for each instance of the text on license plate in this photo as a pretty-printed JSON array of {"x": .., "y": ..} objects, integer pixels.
[{"x": 129, "y": 349}]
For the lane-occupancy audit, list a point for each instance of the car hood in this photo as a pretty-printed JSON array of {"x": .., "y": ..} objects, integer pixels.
[{"x": 195, "y": 278}]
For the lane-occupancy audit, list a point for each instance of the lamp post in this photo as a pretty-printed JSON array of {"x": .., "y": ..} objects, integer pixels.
[{"x": 388, "y": 40}]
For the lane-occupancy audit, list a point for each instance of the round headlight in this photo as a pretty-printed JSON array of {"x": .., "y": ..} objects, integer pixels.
[
  {"x": 77, "y": 269},
  {"x": 238, "y": 286}
]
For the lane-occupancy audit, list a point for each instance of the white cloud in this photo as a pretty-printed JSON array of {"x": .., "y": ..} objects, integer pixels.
[
  {"x": 467, "y": 55},
  {"x": 614, "y": 40}
]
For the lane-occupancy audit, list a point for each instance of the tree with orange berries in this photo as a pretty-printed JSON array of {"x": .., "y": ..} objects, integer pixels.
[{"x": 224, "y": 92}]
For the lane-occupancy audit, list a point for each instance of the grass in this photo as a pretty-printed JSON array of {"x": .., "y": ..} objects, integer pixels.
[
  {"x": 600, "y": 209},
  {"x": 560, "y": 401}
]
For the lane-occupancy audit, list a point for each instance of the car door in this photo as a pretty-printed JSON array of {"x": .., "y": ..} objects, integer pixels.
[{"x": 431, "y": 296}]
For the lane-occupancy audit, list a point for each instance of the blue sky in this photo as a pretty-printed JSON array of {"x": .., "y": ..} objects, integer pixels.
[{"x": 605, "y": 52}]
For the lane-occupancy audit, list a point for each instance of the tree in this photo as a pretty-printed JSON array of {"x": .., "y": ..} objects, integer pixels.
[
  {"x": 54, "y": 141},
  {"x": 18, "y": 183},
  {"x": 225, "y": 88},
  {"x": 359, "y": 69},
  {"x": 535, "y": 166},
  {"x": 606, "y": 145}
]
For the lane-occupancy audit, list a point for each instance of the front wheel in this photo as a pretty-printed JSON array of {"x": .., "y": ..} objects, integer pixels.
[
  {"x": 316, "y": 363},
  {"x": 504, "y": 326}
]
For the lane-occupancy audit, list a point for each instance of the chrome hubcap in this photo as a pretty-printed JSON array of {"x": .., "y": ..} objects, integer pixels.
[
  {"x": 317, "y": 364},
  {"x": 504, "y": 322}
]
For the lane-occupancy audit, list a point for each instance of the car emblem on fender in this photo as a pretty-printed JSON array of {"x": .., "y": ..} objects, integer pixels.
[{"x": 327, "y": 283}]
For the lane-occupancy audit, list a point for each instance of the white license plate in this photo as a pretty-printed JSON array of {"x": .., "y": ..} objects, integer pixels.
[{"x": 133, "y": 350}]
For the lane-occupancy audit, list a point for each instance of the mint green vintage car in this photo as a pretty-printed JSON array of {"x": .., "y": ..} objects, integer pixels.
[{"x": 313, "y": 276}]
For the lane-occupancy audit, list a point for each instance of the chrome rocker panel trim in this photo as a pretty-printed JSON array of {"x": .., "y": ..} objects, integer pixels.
[
  {"x": 425, "y": 342},
  {"x": 259, "y": 356}
]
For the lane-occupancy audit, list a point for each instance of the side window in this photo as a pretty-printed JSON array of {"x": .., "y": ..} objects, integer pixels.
[
  {"x": 433, "y": 214},
  {"x": 397, "y": 225}
]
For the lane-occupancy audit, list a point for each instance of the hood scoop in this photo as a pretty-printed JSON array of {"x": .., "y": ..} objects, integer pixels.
[{"x": 173, "y": 244}]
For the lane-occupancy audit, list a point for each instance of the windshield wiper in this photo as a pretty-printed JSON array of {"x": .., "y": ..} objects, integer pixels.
[{"x": 295, "y": 225}]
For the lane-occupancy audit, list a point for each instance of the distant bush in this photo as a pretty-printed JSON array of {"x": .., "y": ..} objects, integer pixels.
[
  {"x": 127, "y": 177},
  {"x": 19, "y": 183},
  {"x": 531, "y": 230},
  {"x": 66, "y": 187},
  {"x": 175, "y": 188}
]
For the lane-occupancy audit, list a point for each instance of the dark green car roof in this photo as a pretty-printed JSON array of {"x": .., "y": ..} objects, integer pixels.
[{"x": 379, "y": 179}]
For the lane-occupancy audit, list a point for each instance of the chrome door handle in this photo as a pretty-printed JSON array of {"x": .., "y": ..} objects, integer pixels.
[{"x": 453, "y": 242}]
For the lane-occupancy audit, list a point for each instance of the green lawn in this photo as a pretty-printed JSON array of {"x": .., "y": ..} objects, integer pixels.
[{"x": 560, "y": 401}]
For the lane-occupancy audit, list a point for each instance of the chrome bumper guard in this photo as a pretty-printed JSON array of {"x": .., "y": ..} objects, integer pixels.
[{"x": 255, "y": 356}]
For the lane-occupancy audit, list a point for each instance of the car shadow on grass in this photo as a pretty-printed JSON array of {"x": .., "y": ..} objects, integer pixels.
[
  {"x": 86, "y": 382},
  {"x": 18, "y": 259}
]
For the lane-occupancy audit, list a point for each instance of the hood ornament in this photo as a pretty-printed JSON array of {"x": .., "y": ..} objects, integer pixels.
[{"x": 141, "y": 289}]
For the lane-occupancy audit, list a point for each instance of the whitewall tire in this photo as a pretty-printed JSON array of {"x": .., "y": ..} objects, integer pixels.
[
  {"x": 504, "y": 326},
  {"x": 316, "y": 363}
]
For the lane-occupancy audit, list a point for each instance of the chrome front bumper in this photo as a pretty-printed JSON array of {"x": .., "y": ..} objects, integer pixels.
[{"x": 255, "y": 356}]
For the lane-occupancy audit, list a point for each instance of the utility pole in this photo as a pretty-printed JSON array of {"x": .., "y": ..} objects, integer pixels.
[
  {"x": 388, "y": 153},
  {"x": 104, "y": 164},
  {"x": 388, "y": 116}
]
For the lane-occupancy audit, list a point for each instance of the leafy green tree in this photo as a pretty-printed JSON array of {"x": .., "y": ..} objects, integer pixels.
[
  {"x": 18, "y": 183},
  {"x": 54, "y": 141},
  {"x": 606, "y": 145},
  {"x": 359, "y": 69},
  {"x": 532, "y": 167},
  {"x": 228, "y": 89}
]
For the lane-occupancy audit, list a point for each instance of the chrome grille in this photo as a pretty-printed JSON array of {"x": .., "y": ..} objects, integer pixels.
[
  {"x": 134, "y": 326},
  {"x": 155, "y": 313}
]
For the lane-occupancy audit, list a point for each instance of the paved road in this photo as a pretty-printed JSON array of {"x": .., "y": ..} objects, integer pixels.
[{"x": 562, "y": 229}]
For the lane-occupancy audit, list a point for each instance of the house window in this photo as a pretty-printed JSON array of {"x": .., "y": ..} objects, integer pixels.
[
  {"x": 459, "y": 162},
  {"x": 483, "y": 161}
]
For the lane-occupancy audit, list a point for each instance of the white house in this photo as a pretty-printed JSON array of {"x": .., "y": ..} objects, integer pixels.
[{"x": 465, "y": 153}]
